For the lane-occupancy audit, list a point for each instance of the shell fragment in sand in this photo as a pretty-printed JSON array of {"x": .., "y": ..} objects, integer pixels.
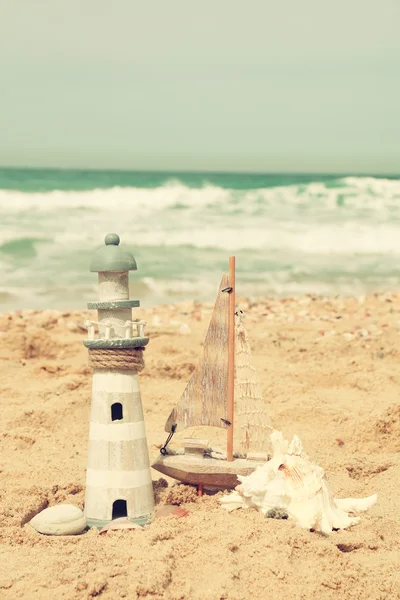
[
  {"x": 121, "y": 523},
  {"x": 63, "y": 519},
  {"x": 292, "y": 483}
]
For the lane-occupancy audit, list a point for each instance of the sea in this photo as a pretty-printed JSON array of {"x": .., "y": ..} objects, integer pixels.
[{"x": 292, "y": 234}]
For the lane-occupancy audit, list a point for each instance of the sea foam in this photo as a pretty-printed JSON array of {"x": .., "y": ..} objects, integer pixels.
[{"x": 333, "y": 236}]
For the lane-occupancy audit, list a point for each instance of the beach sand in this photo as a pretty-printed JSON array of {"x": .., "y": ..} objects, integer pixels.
[{"x": 329, "y": 370}]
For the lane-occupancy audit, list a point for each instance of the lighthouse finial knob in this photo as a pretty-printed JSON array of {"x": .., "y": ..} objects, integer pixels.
[{"x": 112, "y": 239}]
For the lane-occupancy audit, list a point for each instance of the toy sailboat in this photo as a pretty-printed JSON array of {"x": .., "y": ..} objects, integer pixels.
[{"x": 223, "y": 392}]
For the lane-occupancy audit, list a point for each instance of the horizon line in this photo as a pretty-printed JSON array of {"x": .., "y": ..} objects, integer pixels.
[{"x": 202, "y": 171}]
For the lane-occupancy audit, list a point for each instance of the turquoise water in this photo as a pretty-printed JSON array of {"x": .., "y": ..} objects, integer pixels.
[
  {"x": 291, "y": 234},
  {"x": 48, "y": 180}
]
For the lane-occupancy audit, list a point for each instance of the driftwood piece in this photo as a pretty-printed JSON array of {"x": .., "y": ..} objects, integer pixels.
[{"x": 204, "y": 401}]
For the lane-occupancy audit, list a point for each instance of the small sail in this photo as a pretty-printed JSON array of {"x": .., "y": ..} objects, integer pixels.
[
  {"x": 251, "y": 428},
  {"x": 204, "y": 401}
]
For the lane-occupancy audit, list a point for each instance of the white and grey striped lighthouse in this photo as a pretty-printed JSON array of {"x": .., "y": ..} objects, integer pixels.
[{"x": 118, "y": 479}]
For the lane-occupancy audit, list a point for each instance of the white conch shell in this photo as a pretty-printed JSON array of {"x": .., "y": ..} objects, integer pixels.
[{"x": 292, "y": 483}]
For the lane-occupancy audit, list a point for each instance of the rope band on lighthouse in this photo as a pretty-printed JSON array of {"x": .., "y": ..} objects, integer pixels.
[{"x": 117, "y": 358}]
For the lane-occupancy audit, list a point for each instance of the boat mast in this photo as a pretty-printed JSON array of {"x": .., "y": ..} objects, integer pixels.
[{"x": 231, "y": 358}]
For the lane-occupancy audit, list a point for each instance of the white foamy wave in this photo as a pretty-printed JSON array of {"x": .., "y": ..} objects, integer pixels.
[
  {"x": 336, "y": 236},
  {"x": 350, "y": 192},
  {"x": 349, "y": 216},
  {"x": 267, "y": 236},
  {"x": 277, "y": 237},
  {"x": 143, "y": 201}
]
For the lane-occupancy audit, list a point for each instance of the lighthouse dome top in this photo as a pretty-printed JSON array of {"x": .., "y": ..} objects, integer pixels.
[{"x": 112, "y": 256}]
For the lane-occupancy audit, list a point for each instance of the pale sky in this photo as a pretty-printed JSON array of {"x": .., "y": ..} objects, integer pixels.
[{"x": 255, "y": 85}]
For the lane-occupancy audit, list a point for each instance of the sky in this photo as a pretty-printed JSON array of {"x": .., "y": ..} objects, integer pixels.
[{"x": 223, "y": 85}]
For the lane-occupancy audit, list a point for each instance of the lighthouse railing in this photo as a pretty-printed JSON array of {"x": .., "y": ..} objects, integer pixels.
[{"x": 132, "y": 329}]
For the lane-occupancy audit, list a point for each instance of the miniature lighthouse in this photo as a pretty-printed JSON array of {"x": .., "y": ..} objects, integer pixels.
[{"x": 118, "y": 479}]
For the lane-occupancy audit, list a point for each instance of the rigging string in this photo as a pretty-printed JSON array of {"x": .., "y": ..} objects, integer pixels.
[
  {"x": 163, "y": 450},
  {"x": 239, "y": 313}
]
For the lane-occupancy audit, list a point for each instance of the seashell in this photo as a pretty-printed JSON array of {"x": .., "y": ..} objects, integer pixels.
[
  {"x": 291, "y": 483},
  {"x": 121, "y": 523},
  {"x": 63, "y": 519}
]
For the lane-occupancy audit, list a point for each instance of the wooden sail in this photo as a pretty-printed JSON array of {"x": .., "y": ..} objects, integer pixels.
[
  {"x": 252, "y": 426},
  {"x": 204, "y": 401}
]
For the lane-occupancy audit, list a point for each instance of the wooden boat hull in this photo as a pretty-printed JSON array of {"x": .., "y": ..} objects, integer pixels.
[{"x": 210, "y": 472}]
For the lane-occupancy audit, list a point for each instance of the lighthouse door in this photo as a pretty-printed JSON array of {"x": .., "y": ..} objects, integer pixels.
[
  {"x": 117, "y": 413},
  {"x": 119, "y": 509}
]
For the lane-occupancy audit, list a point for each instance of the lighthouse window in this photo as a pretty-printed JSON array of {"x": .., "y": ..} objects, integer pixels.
[
  {"x": 119, "y": 509},
  {"x": 116, "y": 412}
]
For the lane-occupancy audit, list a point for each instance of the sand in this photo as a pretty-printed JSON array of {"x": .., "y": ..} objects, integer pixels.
[{"x": 329, "y": 370}]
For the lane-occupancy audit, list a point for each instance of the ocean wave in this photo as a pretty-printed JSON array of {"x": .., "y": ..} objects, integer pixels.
[
  {"x": 278, "y": 240},
  {"x": 350, "y": 192},
  {"x": 350, "y": 215},
  {"x": 143, "y": 201},
  {"x": 336, "y": 236}
]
